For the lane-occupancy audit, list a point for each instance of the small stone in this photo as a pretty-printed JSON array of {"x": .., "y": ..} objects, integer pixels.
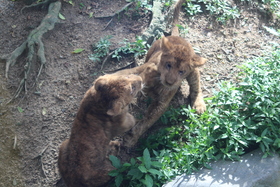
[{"x": 67, "y": 82}]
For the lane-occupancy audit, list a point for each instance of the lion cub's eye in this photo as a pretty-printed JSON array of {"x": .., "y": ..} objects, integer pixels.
[
  {"x": 132, "y": 89},
  {"x": 168, "y": 66},
  {"x": 181, "y": 72}
]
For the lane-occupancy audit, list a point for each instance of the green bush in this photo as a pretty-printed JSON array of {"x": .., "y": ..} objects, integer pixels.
[
  {"x": 241, "y": 116},
  {"x": 143, "y": 172},
  {"x": 138, "y": 48},
  {"x": 100, "y": 49},
  {"x": 225, "y": 10}
]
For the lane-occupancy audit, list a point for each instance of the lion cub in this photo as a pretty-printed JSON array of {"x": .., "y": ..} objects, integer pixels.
[
  {"x": 169, "y": 61},
  {"x": 102, "y": 115}
]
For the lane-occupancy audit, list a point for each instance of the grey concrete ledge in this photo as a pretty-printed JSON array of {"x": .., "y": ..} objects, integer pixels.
[{"x": 251, "y": 171}]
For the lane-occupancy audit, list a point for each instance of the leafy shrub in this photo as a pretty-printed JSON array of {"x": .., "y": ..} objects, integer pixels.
[
  {"x": 143, "y": 172},
  {"x": 224, "y": 10},
  {"x": 240, "y": 117},
  {"x": 100, "y": 49},
  {"x": 192, "y": 9},
  {"x": 138, "y": 48}
]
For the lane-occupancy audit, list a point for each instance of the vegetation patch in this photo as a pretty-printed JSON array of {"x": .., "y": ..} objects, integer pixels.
[
  {"x": 221, "y": 10},
  {"x": 241, "y": 116},
  {"x": 227, "y": 10}
]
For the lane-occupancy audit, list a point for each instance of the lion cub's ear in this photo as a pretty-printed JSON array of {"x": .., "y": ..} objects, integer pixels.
[
  {"x": 116, "y": 109},
  {"x": 165, "y": 44},
  {"x": 99, "y": 84},
  {"x": 198, "y": 61}
]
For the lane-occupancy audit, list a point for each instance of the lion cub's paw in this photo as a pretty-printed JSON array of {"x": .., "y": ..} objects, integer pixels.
[
  {"x": 199, "y": 106},
  {"x": 114, "y": 147}
]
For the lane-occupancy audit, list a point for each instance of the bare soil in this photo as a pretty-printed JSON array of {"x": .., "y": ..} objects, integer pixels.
[{"x": 29, "y": 139}]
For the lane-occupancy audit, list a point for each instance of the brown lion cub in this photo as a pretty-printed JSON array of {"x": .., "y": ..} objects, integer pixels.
[
  {"x": 102, "y": 115},
  {"x": 169, "y": 61}
]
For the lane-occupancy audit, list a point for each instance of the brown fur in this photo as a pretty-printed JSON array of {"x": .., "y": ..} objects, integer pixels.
[
  {"x": 102, "y": 115},
  {"x": 169, "y": 61}
]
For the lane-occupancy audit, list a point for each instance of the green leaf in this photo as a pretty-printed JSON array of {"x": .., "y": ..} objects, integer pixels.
[
  {"x": 149, "y": 181},
  {"x": 115, "y": 161},
  {"x": 20, "y": 109},
  {"x": 262, "y": 147},
  {"x": 147, "y": 158},
  {"x": 264, "y": 132},
  {"x": 142, "y": 169},
  {"x": 180, "y": 26},
  {"x": 155, "y": 153},
  {"x": 216, "y": 127},
  {"x": 113, "y": 173},
  {"x": 71, "y": 2},
  {"x": 94, "y": 58},
  {"x": 155, "y": 172},
  {"x": 259, "y": 139},
  {"x": 223, "y": 136},
  {"x": 61, "y": 16},
  {"x": 126, "y": 164},
  {"x": 132, "y": 161},
  {"x": 90, "y": 15},
  {"x": 135, "y": 173},
  {"x": 77, "y": 51},
  {"x": 119, "y": 180},
  {"x": 156, "y": 164}
]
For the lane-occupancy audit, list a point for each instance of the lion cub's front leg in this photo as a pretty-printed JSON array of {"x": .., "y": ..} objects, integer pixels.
[
  {"x": 154, "y": 112},
  {"x": 114, "y": 145},
  {"x": 127, "y": 124},
  {"x": 197, "y": 101}
]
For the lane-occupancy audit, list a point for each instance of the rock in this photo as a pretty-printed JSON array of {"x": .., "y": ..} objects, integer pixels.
[
  {"x": 160, "y": 22},
  {"x": 251, "y": 171}
]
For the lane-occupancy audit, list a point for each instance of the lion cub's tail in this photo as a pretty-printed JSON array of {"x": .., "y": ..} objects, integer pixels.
[{"x": 175, "y": 29}]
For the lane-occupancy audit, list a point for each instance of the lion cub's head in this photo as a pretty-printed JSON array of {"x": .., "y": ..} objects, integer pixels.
[
  {"x": 117, "y": 91},
  {"x": 177, "y": 61}
]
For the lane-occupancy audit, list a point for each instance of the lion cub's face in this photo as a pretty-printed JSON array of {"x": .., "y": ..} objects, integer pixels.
[
  {"x": 118, "y": 90},
  {"x": 176, "y": 62}
]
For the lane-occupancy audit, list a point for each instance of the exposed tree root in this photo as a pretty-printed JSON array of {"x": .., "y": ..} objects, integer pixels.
[
  {"x": 115, "y": 14},
  {"x": 44, "y": 3},
  {"x": 107, "y": 58},
  {"x": 34, "y": 40},
  {"x": 129, "y": 65}
]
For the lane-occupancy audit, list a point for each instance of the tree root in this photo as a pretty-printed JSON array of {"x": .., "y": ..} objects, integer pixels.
[
  {"x": 109, "y": 56},
  {"x": 115, "y": 14},
  {"x": 44, "y": 3},
  {"x": 121, "y": 68},
  {"x": 34, "y": 39}
]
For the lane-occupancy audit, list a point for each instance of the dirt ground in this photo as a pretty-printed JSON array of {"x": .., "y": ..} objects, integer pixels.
[{"x": 29, "y": 139}]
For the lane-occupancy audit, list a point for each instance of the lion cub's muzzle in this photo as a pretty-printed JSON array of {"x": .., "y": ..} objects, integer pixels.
[{"x": 136, "y": 85}]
